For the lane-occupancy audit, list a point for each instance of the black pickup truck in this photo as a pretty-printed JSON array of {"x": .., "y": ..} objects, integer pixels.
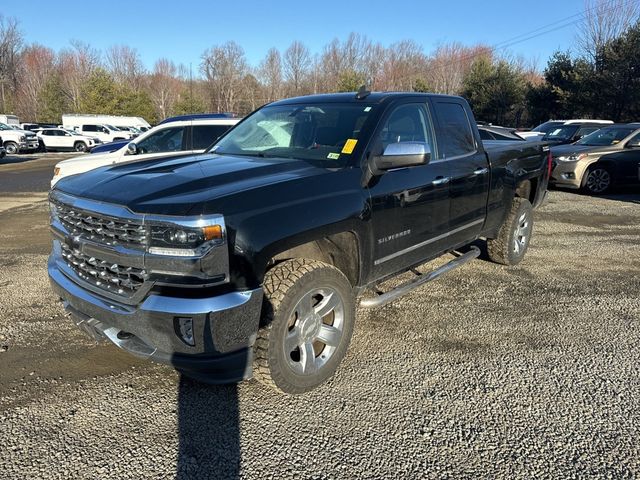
[{"x": 249, "y": 259}]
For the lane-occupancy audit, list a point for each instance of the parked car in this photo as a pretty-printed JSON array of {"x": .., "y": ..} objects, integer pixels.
[
  {"x": 598, "y": 161},
  {"x": 62, "y": 139},
  {"x": 176, "y": 137},
  {"x": 258, "y": 250},
  {"x": 489, "y": 132},
  {"x": 570, "y": 133},
  {"x": 16, "y": 140},
  {"x": 113, "y": 146},
  {"x": 546, "y": 127}
]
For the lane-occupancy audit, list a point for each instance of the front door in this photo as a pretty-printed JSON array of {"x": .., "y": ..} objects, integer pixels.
[{"x": 409, "y": 206}]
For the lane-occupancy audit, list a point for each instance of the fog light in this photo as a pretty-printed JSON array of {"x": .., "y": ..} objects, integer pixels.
[
  {"x": 184, "y": 329},
  {"x": 569, "y": 176}
]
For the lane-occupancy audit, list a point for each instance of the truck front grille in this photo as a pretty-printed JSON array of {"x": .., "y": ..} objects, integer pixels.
[
  {"x": 108, "y": 276},
  {"x": 101, "y": 229}
]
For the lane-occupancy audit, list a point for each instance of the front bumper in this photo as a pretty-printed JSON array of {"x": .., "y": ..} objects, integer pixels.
[
  {"x": 566, "y": 174},
  {"x": 29, "y": 145},
  {"x": 224, "y": 327}
]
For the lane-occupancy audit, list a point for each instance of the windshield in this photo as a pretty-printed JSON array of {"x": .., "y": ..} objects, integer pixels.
[
  {"x": 561, "y": 133},
  {"x": 4, "y": 127},
  {"x": 606, "y": 136},
  {"x": 111, "y": 127},
  {"x": 320, "y": 132},
  {"x": 546, "y": 127},
  {"x": 72, "y": 132}
]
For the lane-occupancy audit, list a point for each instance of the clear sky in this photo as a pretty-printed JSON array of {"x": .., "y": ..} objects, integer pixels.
[{"x": 182, "y": 30}]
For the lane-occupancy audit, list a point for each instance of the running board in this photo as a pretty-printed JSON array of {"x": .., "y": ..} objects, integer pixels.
[{"x": 421, "y": 279}]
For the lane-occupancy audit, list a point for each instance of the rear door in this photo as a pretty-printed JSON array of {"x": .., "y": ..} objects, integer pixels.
[
  {"x": 468, "y": 167},
  {"x": 628, "y": 162},
  {"x": 203, "y": 135}
]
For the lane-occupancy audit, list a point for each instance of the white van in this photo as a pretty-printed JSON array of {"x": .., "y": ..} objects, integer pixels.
[
  {"x": 77, "y": 119},
  {"x": 9, "y": 120}
]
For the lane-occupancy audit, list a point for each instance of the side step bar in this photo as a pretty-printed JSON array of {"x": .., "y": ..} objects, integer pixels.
[{"x": 384, "y": 298}]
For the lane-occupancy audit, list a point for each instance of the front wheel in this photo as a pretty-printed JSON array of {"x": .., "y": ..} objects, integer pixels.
[
  {"x": 80, "y": 147},
  {"x": 597, "y": 180},
  {"x": 512, "y": 242},
  {"x": 11, "y": 147},
  {"x": 306, "y": 326}
]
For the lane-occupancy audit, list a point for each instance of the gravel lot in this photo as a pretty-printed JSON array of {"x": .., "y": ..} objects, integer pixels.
[{"x": 530, "y": 371}]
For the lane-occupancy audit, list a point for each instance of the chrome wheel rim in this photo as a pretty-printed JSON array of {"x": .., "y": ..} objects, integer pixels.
[
  {"x": 11, "y": 149},
  {"x": 80, "y": 148},
  {"x": 598, "y": 180},
  {"x": 315, "y": 330},
  {"x": 522, "y": 234}
]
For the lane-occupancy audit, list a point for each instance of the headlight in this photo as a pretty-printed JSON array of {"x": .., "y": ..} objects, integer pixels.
[
  {"x": 574, "y": 157},
  {"x": 185, "y": 240},
  {"x": 22, "y": 138}
]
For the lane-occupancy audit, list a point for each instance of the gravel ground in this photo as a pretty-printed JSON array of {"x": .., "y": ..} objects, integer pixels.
[{"x": 490, "y": 371}]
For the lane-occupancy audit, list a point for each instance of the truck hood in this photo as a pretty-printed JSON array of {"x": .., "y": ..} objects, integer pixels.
[{"x": 194, "y": 185}]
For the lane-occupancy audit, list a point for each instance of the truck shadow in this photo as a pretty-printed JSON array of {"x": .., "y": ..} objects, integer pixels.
[{"x": 208, "y": 431}]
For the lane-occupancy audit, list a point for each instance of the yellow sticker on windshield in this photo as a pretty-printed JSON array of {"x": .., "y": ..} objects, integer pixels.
[{"x": 349, "y": 146}]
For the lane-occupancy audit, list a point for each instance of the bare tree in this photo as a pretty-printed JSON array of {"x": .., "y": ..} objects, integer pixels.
[
  {"x": 37, "y": 64},
  {"x": 10, "y": 45},
  {"x": 164, "y": 87},
  {"x": 297, "y": 61},
  {"x": 450, "y": 63},
  {"x": 402, "y": 66},
  {"x": 224, "y": 68},
  {"x": 270, "y": 74},
  {"x": 76, "y": 66},
  {"x": 125, "y": 65},
  {"x": 603, "y": 21}
]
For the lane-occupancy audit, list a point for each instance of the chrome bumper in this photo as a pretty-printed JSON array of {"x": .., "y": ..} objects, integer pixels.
[{"x": 224, "y": 326}]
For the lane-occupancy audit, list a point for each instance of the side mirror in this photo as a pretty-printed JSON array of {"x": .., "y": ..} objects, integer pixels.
[
  {"x": 132, "y": 149},
  {"x": 403, "y": 154}
]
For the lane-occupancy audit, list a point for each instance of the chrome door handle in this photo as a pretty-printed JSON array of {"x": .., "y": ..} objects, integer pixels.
[
  {"x": 480, "y": 171},
  {"x": 440, "y": 181}
]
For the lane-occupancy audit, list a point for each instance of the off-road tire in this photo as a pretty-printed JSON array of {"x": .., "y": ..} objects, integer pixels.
[
  {"x": 502, "y": 248},
  {"x": 284, "y": 285}
]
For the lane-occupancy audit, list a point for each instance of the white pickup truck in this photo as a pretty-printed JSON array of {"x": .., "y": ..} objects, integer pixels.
[{"x": 16, "y": 141}]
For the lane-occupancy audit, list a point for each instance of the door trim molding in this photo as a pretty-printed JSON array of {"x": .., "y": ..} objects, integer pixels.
[{"x": 427, "y": 242}]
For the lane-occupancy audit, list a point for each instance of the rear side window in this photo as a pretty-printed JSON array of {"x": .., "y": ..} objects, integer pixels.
[
  {"x": 89, "y": 128},
  {"x": 455, "y": 136},
  {"x": 205, "y": 135}
]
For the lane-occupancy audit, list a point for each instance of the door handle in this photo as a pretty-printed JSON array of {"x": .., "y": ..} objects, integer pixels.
[
  {"x": 480, "y": 171},
  {"x": 440, "y": 181}
]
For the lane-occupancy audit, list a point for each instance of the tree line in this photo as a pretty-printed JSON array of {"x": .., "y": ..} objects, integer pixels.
[{"x": 600, "y": 80}]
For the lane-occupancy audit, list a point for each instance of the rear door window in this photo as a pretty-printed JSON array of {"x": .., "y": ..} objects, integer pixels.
[
  {"x": 205, "y": 135},
  {"x": 89, "y": 128},
  {"x": 455, "y": 137}
]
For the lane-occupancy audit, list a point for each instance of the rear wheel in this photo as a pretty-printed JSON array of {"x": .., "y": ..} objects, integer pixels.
[
  {"x": 597, "y": 180},
  {"x": 80, "y": 147},
  {"x": 11, "y": 147},
  {"x": 307, "y": 325},
  {"x": 512, "y": 242}
]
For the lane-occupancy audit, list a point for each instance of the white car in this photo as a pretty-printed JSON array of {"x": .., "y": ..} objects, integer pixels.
[
  {"x": 15, "y": 140},
  {"x": 182, "y": 136},
  {"x": 61, "y": 139}
]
